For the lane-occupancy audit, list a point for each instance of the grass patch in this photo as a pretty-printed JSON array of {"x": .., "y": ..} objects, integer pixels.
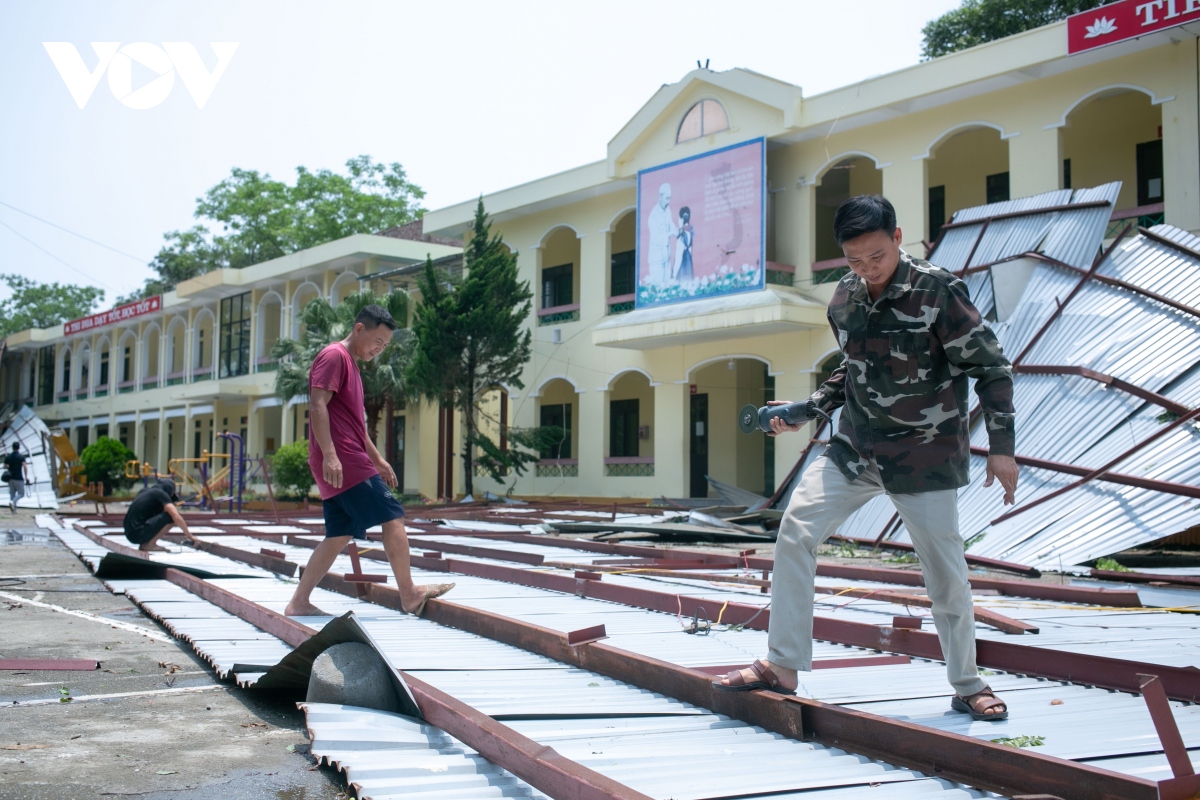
[
  {"x": 900, "y": 558},
  {"x": 1021, "y": 741},
  {"x": 1111, "y": 565}
]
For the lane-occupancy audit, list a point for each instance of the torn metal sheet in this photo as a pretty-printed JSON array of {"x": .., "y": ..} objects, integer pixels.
[{"x": 27, "y": 429}]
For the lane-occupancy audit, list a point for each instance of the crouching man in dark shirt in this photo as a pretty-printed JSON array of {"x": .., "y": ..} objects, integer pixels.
[{"x": 152, "y": 513}]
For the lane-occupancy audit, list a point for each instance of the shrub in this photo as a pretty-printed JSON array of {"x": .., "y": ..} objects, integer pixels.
[
  {"x": 290, "y": 472},
  {"x": 104, "y": 461}
]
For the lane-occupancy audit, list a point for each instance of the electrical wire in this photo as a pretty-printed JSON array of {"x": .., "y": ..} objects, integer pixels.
[
  {"x": 141, "y": 261},
  {"x": 56, "y": 258}
]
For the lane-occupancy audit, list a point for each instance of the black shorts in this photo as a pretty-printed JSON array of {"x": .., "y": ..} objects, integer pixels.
[
  {"x": 145, "y": 532},
  {"x": 364, "y": 505}
]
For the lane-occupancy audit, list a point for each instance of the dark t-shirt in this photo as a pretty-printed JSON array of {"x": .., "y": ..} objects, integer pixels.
[
  {"x": 148, "y": 503},
  {"x": 12, "y": 463}
]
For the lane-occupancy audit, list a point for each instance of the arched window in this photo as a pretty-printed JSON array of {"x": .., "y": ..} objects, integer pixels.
[{"x": 705, "y": 117}]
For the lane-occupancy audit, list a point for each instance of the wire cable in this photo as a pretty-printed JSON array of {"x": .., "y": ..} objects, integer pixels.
[
  {"x": 141, "y": 261},
  {"x": 56, "y": 258}
]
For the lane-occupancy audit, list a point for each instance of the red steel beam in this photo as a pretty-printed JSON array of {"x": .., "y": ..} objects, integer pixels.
[
  {"x": 1108, "y": 477},
  {"x": 1119, "y": 674},
  {"x": 1116, "y": 282},
  {"x": 1070, "y": 296},
  {"x": 540, "y": 766},
  {"x": 975, "y": 762},
  {"x": 1107, "y": 380},
  {"x": 1149, "y": 234},
  {"x": 951, "y": 756},
  {"x": 1093, "y": 474},
  {"x": 1012, "y": 588}
]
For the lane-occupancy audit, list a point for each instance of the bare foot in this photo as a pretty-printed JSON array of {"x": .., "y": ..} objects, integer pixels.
[
  {"x": 295, "y": 609},
  {"x": 787, "y": 677},
  {"x": 152, "y": 548},
  {"x": 414, "y": 602}
]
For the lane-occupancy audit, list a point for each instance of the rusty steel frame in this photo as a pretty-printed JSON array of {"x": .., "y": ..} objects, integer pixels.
[
  {"x": 540, "y": 766},
  {"x": 1110, "y": 673},
  {"x": 1149, "y": 234},
  {"x": 1012, "y": 588},
  {"x": 1108, "y": 380},
  {"x": 974, "y": 762},
  {"x": 1108, "y": 477},
  {"x": 1096, "y": 473}
]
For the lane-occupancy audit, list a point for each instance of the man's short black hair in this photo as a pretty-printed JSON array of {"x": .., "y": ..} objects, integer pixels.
[
  {"x": 373, "y": 316},
  {"x": 865, "y": 213},
  {"x": 16, "y": 446}
]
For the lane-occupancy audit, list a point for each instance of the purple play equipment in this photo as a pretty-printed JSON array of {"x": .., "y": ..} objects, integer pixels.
[{"x": 237, "y": 472}]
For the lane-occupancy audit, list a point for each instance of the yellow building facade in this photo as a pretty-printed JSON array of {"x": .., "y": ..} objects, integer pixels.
[{"x": 648, "y": 396}]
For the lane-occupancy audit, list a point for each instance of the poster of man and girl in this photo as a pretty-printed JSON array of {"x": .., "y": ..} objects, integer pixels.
[{"x": 701, "y": 227}]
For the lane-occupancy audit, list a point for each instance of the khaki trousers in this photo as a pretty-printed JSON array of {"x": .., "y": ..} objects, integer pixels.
[{"x": 823, "y": 500}]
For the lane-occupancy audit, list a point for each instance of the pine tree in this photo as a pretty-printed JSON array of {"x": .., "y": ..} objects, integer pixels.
[{"x": 470, "y": 339}]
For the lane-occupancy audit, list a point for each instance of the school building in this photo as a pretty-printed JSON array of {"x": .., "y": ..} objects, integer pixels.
[{"x": 648, "y": 392}]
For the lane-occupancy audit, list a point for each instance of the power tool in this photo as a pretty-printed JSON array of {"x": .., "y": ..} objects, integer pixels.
[{"x": 752, "y": 418}]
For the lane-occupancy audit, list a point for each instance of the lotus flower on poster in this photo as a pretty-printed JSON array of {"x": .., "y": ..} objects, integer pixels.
[{"x": 1101, "y": 27}]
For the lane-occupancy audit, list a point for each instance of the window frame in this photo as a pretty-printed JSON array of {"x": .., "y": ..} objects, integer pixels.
[{"x": 623, "y": 411}]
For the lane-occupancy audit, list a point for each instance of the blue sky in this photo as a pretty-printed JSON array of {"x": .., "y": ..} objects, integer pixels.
[{"x": 470, "y": 97}]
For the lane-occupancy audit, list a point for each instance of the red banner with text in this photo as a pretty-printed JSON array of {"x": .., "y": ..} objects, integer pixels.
[
  {"x": 119, "y": 314},
  {"x": 1126, "y": 19}
]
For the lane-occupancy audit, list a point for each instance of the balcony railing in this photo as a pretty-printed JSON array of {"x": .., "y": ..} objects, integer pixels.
[
  {"x": 780, "y": 274},
  {"x": 1140, "y": 216},
  {"x": 830, "y": 271},
  {"x": 63, "y": 397},
  {"x": 202, "y": 374},
  {"x": 81, "y": 394},
  {"x": 176, "y": 378},
  {"x": 629, "y": 466},
  {"x": 125, "y": 387},
  {"x": 267, "y": 364},
  {"x": 150, "y": 383},
  {"x": 621, "y": 303},
  {"x": 557, "y": 468},
  {"x": 101, "y": 391},
  {"x": 557, "y": 314}
]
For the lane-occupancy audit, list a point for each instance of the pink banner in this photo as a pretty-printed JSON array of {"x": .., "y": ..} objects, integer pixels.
[
  {"x": 119, "y": 314},
  {"x": 1126, "y": 19},
  {"x": 700, "y": 226}
]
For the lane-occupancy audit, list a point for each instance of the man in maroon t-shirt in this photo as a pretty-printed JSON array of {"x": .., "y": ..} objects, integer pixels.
[{"x": 351, "y": 475}]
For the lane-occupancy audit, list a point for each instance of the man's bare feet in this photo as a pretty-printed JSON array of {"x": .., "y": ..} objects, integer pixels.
[
  {"x": 295, "y": 609},
  {"x": 152, "y": 548},
  {"x": 414, "y": 602},
  {"x": 788, "y": 678}
]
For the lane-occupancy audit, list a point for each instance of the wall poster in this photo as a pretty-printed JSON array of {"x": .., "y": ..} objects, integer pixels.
[{"x": 701, "y": 227}]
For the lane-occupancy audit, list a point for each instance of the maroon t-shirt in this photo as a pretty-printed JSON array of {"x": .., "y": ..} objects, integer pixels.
[{"x": 334, "y": 370}]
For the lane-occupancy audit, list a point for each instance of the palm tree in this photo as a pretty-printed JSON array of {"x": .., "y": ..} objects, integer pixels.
[{"x": 382, "y": 378}]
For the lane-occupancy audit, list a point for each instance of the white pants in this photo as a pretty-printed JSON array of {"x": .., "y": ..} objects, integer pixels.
[{"x": 823, "y": 500}]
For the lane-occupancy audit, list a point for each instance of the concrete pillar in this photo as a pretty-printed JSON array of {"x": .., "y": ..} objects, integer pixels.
[
  {"x": 166, "y": 433},
  {"x": 592, "y": 404},
  {"x": 672, "y": 413},
  {"x": 594, "y": 261},
  {"x": 802, "y": 228},
  {"x": 288, "y": 418},
  {"x": 1180, "y": 132},
  {"x": 139, "y": 435},
  {"x": 253, "y": 430},
  {"x": 904, "y": 184},
  {"x": 1035, "y": 162}
]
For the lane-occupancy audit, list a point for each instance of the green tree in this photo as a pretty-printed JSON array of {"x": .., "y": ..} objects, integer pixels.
[
  {"x": 257, "y": 218},
  {"x": 382, "y": 377},
  {"x": 104, "y": 460},
  {"x": 470, "y": 339},
  {"x": 290, "y": 472},
  {"x": 979, "y": 21},
  {"x": 42, "y": 305}
]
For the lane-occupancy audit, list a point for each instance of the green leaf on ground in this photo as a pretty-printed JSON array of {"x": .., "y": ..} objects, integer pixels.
[
  {"x": 166, "y": 772},
  {"x": 1021, "y": 741}
]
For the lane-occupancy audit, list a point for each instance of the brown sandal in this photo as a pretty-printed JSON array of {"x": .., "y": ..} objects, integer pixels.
[
  {"x": 966, "y": 706},
  {"x": 766, "y": 680}
]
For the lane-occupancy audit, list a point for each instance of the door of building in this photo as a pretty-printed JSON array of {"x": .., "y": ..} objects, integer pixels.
[
  {"x": 1150, "y": 172},
  {"x": 699, "y": 446},
  {"x": 398, "y": 438}
]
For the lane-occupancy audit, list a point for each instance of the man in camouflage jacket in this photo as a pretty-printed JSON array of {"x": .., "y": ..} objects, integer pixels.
[{"x": 910, "y": 339}]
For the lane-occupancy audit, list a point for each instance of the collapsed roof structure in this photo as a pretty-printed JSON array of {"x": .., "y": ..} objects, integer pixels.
[
  {"x": 22, "y": 426},
  {"x": 1105, "y": 345}
]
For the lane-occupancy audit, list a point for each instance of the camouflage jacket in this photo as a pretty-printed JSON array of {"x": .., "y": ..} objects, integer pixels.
[{"x": 902, "y": 383}]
